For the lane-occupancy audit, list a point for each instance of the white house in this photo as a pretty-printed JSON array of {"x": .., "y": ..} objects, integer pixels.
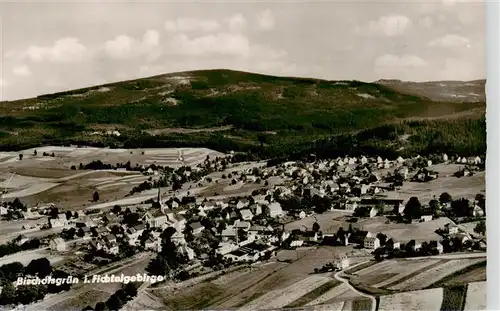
[
  {"x": 477, "y": 160},
  {"x": 400, "y": 160},
  {"x": 373, "y": 212},
  {"x": 155, "y": 219},
  {"x": 275, "y": 210},
  {"x": 452, "y": 230},
  {"x": 425, "y": 218},
  {"x": 445, "y": 157},
  {"x": 3, "y": 210},
  {"x": 371, "y": 243},
  {"x": 246, "y": 214},
  {"x": 57, "y": 244},
  {"x": 302, "y": 215},
  {"x": 364, "y": 160},
  {"x": 351, "y": 206},
  {"x": 478, "y": 211}
]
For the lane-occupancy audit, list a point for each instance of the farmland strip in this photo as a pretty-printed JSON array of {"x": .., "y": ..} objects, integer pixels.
[
  {"x": 399, "y": 279},
  {"x": 314, "y": 294},
  {"x": 435, "y": 274}
]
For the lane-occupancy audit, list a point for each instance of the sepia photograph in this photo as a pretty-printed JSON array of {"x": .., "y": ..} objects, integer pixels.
[{"x": 244, "y": 155}]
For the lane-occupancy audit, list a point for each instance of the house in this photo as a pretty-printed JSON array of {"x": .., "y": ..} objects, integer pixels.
[
  {"x": 3, "y": 210},
  {"x": 395, "y": 244},
  {"x": 445, "y": 157},
  {"x": 452, "y": 229},
  {"x": 31, "y": 215},
  {"x": 414, "y": 245},
  {"x": 437, "y": 245},
  {"x": 155, "y": 218},
  {"x": 101, "y": 231},
  {"x": 477, "y": 160},
  {"x": 246, "y": 214},
  {"x": 20, "y": 240},
  {"x": 351, "y": 206},
  {"x": 187, "y": 251},
  {"x": 57, "y": 223},
  {"x": 302, "y": 215},
  {"x": 151, "y": 244},
  {"x": 134, "y": 233},
  {"x": 229, "y": 234},
  {"x": 111, "y": 219},
  {"x": 478, "y": 211},
  {"x": 371, "y": 243},
  {"x": 111, "y": 248},
  {"x": 226, "y": 247},
  {"x": 178, "y": 238},
  {"x": 275, "y": 210},
  {"x": 373, "y": 212},
  {"x": 425, "y": 218},
  {"x": 242, "y": 203},
  {"x": 197, "y": 227},
  {"x": 110, "y": 238},
  {"x": 308, "y": 236},
  {"x": 363, "y": 160},
  {"x": 57, "y": 244},
  {"x": 296, "y": 243},
  {"x": 244, "y": 225}
]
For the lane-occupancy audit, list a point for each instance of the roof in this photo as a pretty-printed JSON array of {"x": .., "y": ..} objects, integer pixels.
[
  {"x": 156, "y": 213},
  {"x": 58, "y": 240},
  {"x": 140, "y": 227},
  {"x": 196, "y": 225},
  {"x": 372, "y": 239},
  {"x": 228, "y": 232},
  {"x": 243, "y": 224}
]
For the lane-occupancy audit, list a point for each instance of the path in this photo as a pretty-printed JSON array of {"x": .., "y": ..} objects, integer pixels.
[{"x": 346, "y": 282}]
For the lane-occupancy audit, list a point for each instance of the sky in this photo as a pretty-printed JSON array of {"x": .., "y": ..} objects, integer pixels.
[{"x": 54, "y": 46}]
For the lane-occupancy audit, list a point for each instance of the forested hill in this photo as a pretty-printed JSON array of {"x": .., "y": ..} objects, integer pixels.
[{"x": 274, "y": 116}]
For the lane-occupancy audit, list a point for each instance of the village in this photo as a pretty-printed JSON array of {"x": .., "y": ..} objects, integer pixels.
[{"x": 330, "y": 203}]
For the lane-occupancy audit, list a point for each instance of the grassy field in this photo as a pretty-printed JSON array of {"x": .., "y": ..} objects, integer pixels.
[
  {"x": 474, "y": 273},
  {"x": 423, "y": 231},
  {"x": 274, "y": 284},
  {"x": 251, "y": 115},
  {"x": 429, "y": 300},
  {"x": 453, "y": 298},
  {"x": 476, "y": 297},
  {"x": 318, "y": 291}
]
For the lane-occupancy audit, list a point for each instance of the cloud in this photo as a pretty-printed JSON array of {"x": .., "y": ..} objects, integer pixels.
[
  {"x": 390, "y": 25},
  {"x": 229, "y": 44},
  {"x": 461, "y": 69},
  {"x": 151, "y": 38},
  {"x": 236, "y": 22},
  {"x": 398, "y": 62},
  {"x": 265, "y": 20},
  {"x": 191, "y": 24},
  {"x": 64, "y": 50},
  {"x": 21, "y": 71},
  {"x": 120, "y": 47},
  {"x": 426, "y": 22},
  {"x": 125, "y": 47},
  {"x": 450, "y": 41}
]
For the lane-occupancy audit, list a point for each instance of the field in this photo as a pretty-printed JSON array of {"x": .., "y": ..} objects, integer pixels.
[
  {"x": 423, "y": 231},
  {"x": 327, "y": 222},
  {"x": 429, "y": 300},
  {"x": 53, "y": 181},
  {"x": 271, "y": 285},
  {"x": 415, "y": 274},
  {"x": 466, "y": 187},
  {"x": 475, "y": 297}
]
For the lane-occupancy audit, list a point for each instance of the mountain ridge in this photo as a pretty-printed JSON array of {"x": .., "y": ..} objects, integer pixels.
[{"x": 257, "y": 112}]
